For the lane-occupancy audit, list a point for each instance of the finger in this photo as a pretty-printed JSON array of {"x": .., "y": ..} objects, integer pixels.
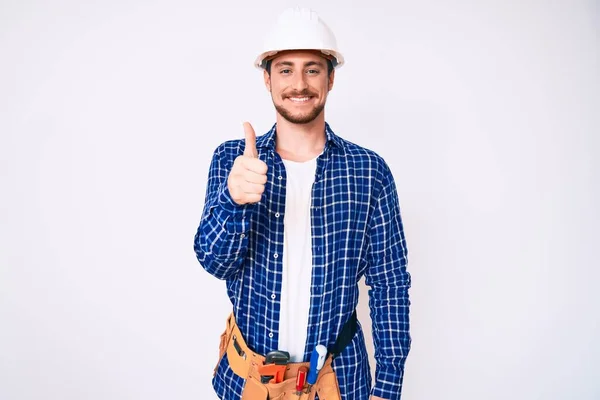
[
  {"x": 252, "y": 188},
  {"x": 253, "y": 198},
  {"x": 250, "y": 149},
  {"x": 253, "y": 177},
  {"x": 255, "y": 165}
]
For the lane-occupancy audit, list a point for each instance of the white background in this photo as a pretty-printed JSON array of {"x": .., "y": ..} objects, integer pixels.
[{"x": 487, "y": 113}]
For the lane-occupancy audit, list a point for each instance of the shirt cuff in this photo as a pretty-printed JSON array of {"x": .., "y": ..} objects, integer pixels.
[
  {"x": 233, "y": 216},
  {"x": 388, "y": 384}
]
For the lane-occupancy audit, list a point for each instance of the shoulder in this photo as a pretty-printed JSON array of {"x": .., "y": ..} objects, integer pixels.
[
  {"x": 229, "y": 147},
  {"x": 235, "y": 147},
  {"x": 364, "y": 158},
  {"x": 370, "y": 165},
  {"x": 232, "y": 148},
  {"x": 227, "y": 151}
]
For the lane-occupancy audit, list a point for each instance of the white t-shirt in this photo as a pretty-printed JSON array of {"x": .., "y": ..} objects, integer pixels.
[{"x": 297, "y": 258}]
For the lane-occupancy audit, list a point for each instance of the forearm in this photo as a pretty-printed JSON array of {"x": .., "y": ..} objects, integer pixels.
[
  {"x": 390, "y": 281},
  {"x": 221, "y": 241},
  {"x": 391, "y": 336}
]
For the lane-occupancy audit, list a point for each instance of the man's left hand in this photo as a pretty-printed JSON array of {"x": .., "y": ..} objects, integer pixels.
[{"x": 376, "y": 398}]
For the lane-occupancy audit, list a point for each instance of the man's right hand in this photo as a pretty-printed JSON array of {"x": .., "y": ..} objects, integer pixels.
[{"x": 248, "y": 176}]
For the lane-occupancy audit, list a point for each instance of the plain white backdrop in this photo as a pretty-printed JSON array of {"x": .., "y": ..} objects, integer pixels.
[{"x": 486, "y": 111}]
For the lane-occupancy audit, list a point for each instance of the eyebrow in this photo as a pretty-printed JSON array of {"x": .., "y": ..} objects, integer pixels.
[{"x": 307, "y": 64}]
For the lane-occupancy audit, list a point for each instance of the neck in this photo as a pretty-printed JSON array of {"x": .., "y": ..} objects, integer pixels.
[{"x": 300, "y": 142}]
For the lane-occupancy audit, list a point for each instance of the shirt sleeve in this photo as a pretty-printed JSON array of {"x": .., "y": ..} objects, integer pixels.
[
  {"x": 389, "y": 281},
  {"x": 221, "y": 241}
]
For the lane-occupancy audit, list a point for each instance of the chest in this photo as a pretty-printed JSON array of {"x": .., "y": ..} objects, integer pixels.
[{"x": 335, "y": 193}]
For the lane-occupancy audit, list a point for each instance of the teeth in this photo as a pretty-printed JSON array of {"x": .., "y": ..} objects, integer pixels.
[{"x": 299, "y": 99}]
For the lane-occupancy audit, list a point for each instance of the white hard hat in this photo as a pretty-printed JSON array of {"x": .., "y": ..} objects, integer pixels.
[{"x": 300, "y": 29}]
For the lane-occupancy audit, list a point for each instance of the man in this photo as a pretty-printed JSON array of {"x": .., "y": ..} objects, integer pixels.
[{"x": 294, "y": 218}]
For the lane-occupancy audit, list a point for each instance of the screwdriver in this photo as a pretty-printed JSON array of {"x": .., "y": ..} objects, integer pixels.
[
  {"x": 317, "y": 359},
  {"x": 301, "y": 380}
]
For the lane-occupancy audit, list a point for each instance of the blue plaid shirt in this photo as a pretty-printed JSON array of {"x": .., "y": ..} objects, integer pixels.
[{"x": 356, "y": 231}]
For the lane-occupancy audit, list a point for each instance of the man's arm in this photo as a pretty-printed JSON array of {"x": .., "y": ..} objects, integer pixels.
[
  {"x": 388, "y": 297},
  {"x": 221, "y": 240}
]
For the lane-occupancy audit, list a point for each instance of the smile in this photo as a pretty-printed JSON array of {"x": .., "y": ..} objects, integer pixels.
[{"x": 299, "y": 100}]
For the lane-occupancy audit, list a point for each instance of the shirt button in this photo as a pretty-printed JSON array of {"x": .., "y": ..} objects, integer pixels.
[
  {"x": 270, "y": 334},
  {"x": 273, "y": 296},
  {"x": 276, "y": 215},
  {"x": 280, "y": 177},
  {"x": 275, "y": 255},
  {"x": 242, "y": 236}
]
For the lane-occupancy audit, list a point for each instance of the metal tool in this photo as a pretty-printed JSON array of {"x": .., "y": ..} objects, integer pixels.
[
  {"x": 272, "y": 373},
  {"x": 278, "y": 357},
  {"x": 237, "y": 347},
  {"x": 275, "y": 366}
]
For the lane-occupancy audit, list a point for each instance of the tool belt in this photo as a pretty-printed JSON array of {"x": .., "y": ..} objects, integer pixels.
[{"x": 246, "y": 363}]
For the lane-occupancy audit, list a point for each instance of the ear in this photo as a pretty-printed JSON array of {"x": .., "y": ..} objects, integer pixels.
[
  {"x": 267, "y": 79},
  {"x": 331, "y": 79}
]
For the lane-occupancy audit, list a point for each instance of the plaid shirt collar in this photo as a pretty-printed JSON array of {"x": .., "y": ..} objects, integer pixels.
[{"x": 268, "y": 139}]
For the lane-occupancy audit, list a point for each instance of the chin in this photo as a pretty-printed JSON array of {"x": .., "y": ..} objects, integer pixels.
[{"x": 299, "y": 118}]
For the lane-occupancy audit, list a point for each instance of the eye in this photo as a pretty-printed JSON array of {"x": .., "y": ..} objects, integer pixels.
[
  {"x": 313, "y": 71},
  {"x": 285, "y": 71}
]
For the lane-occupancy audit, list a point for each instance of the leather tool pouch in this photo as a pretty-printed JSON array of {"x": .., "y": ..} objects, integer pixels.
[
  {"x": 326, "y": 386},
  {"x": 254, "y": 390},
  {"x": 244, "y": 363},
  {"x": 232, "y": 346}
]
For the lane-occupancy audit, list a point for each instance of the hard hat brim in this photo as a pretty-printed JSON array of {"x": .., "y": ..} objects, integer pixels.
[{"x": 336, "y": 57}]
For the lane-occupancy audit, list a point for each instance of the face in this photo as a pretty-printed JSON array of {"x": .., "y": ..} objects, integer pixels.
[{"x": 299, "y": 84}]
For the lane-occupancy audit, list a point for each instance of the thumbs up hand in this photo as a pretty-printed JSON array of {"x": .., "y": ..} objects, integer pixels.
[
  {"x": 248, "y": 176},
  {"x": 250, "y": 149}
]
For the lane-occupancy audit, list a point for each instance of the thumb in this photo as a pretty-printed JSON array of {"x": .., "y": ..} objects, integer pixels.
[{"x": 250, "y": 149}]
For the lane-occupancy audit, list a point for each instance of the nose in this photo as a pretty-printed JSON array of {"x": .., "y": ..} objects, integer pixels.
[{"x": 299, "y": 83}]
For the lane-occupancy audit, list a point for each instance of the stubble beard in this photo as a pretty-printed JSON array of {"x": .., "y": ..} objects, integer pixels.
[{"x": 299, "y": 118}]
